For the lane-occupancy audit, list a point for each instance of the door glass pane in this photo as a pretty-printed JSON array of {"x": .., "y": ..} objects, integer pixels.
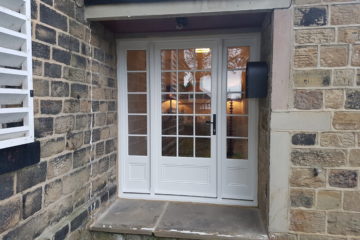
[
  {"x": 236, "y": 105},
  {"x": 137, "y": 146},
  {"x": 186, "y": 103},
  {"x": 203, "y": 147},
  {"x": 169, "y": 146},
  {"x": 168, "y": 82},
  {"x": 186, "y": 147},
  {"x": 136, "y": 82},
  {"x": 237, "y": 148},
  {"x": 203, "y": 82},
  {"x": 237, "y": 126},
  {"x": 186, "y": 125},
  {"x": 236, "y": 81},
  {"x": 186, "y": 82},
  {"x": 136, "y": 60},
  {"x": 201, "y": 127},
  {"x": 169, "y": 125},
  {"x": 187, "y": 59},
  {"x": 137, "y": 124},
  {"x": 169, "y": 59},
  {"x": 137, "y": 103},
  {"x": 238, "y": 57},
  {"x": 168, "y": 103},
  {"x": 203, "y": 104},
  {"x": 203, "y": 58}
]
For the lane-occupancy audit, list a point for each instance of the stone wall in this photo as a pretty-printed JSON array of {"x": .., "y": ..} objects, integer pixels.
[
  {"x": 326, "y": 78},
  {"x": 74, "y": 68}
]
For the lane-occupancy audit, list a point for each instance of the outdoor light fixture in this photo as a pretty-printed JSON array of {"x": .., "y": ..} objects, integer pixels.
[{"x": 202, "y": 50}]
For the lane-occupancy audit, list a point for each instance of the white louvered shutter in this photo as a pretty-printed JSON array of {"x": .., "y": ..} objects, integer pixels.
[{"x": 16, "y": 103}]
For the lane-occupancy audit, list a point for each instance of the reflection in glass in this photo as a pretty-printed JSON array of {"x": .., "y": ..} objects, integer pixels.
[
  {"x": 236, "y": 81},
  {"x": 137, "y": 103},
  {"x": 168, "y": 103},
  {"x": 203, "y": 58},
  {"x": 201, "y": 127},
  {"x": 136, "y": 60},
  {"x": 168, "y": 82},
  {"x": 236, "y": 105},
  {"x": 169, "y": 146},
  {"x": 136, "y": 82},
  {"x": 237, "y": 148},
  {"x": 186, "y": 124},
  {"x": 238, "y": 57},
  {"x": 186, "y": 147},
  {"x": 137, "y": 124},
  {"x": 203, "y": 82},
  {"x": 203, "y": 104},
  {"x": 187, "y": 59},
  {"x": 203, "y": 147},
  {"x": 237, "y": 126},
  {"x": 137, "y": 146},
  {"x": 169, "y": 125},
  {"x": 168, "y": 60},
  {"x": 186, "y": 103},
  {"x": 186, "y": 82}
]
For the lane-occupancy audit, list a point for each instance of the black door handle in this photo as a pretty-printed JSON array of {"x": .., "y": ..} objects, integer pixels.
[{"x": 213, "y": 122}]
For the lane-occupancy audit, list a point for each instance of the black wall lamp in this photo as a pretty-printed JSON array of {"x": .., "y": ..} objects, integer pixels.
[{"x": 256, "y": 79}]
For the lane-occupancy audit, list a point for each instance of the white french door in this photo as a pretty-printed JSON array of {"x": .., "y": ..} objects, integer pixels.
[{"x": 186, "y": 129}]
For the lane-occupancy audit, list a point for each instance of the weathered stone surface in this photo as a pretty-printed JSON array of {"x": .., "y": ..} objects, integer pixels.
[
  {"x": 81, "y": 157},
  {"x": 301, "y": 177},
  {"x": 100, "y": 119},
  {"x": 59, "y": 89},
  {"x": 312, "y": 78},
  {"x": 37, "y": 68},
  {"x": 82, "y": 121},
  {"x": 343, "y": 77},
  {"x": 61, "y": 56},
  {"x": 310, "y": 16},
  {"x": 59, "y": 165},
  {"x": 349, "y": 34},
  {"x": 64, "y": 124},
  {"x": 307, "y": 100},
  {"x": 74, "y": 74},
  {"x": 301, "y": 2},
  {"x": 355, "y": 57},
  {"x": 79, "y": 220},
  {"x": 10, "y": 213},
  {"x": 343, "y": 178},
  {"x": 68, "y": 42},
  {"x": 351, "y": 201},
  {"x": 60, "y": 209},
  {"x": 53, "y": 192},
  {"x": 52, "y": 146},
  {"x": 77, "y": 29},
  {"x": 345, "y": 14},
  {"x": 30, "y": 176},
  {"x": 321, "y": 35},
  {"x": 52, "y": 70},
  {"x": 318, "y": 157},
  {"x": 75, "y": 180},
  {"x": 327, "y": 200},
  {"x": 352, "y": 99},
  {"x": 302, "y": 198},
  {"x": 62, "y": 233},
  {"x": 98, "y": 184},
  {"x": 343, "y": 140},
  {"x": 319, "y": 237},
  {"x": 354, "y": 157},
  {"x": 32, "y": 202},
  {"x": 40, "y": 50},
  {"x": 307, "y": 221},
  {"x": 334, "y": 99},
  {"x": 45, "y": 34},
  {"x": 43, "y": 126},
  {"x": 53, "y": 18},
  {"x": 41, "y": 88},
  {"x": 346, "y": 120},
  {"x": 341, "y": 223},
  {"x": 334, "y": 56},
  {"x": 74, "y": 140},
  {"x": 50, "y": 106},
  {"x": 305, "y": 56},
  {"x": 358, "y": 77},
  {"x": 6, "y": 186},
  {"x": 71, "y": 106}
]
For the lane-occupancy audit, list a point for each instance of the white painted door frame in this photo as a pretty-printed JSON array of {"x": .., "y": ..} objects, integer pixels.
[{"x": 148, "y": 192}]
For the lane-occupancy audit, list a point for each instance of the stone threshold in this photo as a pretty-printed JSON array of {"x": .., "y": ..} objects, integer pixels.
[{"x": 164, "y": 219}]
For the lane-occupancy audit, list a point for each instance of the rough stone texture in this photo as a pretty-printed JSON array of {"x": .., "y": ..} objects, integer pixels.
[
  {"x": 319, "y": 237},
  {"x": 64, "y": 124},
  {"x": 307, "y": 100},
  {"x": 30, "y": 176},
  {"x": 301, "y": 177},
  {"x": 328, "y": 200},
  {"x": 334, "y": 56},
  {"x": 305, "y": 56},
  {"x": 307, "y": 221},
  {"x": 59, "y": 165},
  {"x": 341, "y": 223},
  {"x": 343, "y": 77},
  {"x": 305, "y": 139},
  {"x": 302, "y": 198},
  {"x": 342, "y": 140},
  {"x": 53, "y": 192},
  {"x": 346, "y": 120},
  {"x": 334, "y": 99},
  {"x": 351, "y": 201},
  {"x": 318, "y": 157},
  {"x": 316, "y": 36},
  {"x": 312, "y": 78},
  {"x": 349, "y": 34},
  {"x": 354, "y": 157},
  {"x": 343, "y": 178},
  {"x": 310, "y": 16},
  {"x": 345, "y": 14},
  {"x": 6, "y": 186},
  {"x": 352, "y": 99},
  {"x": 10, "y": 213},
  {"x": 32, "y": 202}
]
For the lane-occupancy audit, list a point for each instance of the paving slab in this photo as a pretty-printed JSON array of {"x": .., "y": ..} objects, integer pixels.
[
  {"x": 130, "y": 216},
  {"x": 205, "y": 221}
]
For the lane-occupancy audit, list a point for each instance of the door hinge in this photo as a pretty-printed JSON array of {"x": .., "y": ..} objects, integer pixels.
[{"x": 31, "y": 93}]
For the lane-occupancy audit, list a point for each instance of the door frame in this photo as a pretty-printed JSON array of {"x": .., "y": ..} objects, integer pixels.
[{"x": 250, "y": 39}]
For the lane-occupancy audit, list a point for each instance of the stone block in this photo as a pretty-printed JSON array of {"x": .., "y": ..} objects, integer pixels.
[
  {"x": 349, "y": 34},
  {"x": 328, "y": 200},
  {"x": 79, "y": 91},
  {"x": 100, "y": 119},
  {"x": 352, "y": 99},
  {"x": 59, "y": 89},
  {"x": 50, "y": 106},
  {"x": 354, "y": 157},
  {"x": 77, "y": 29},
  {"x": 6, "y": 186},
  {"x": 32, "y": 202},
  {"x": 346, "y": 120},
  {"x": 41, "y": 88},
  {"x": 334, "y": 56},
  {"x": 51, "y": 147},
  {"x": 358, "y": 77},
  {"x": 305, "y": 56},
  {"x": 110, "y": 146},
  {"x": 52, "y": 70},
  {"x": 343, "y": 178},
  {"x": 37, "y": 67},
  {"x": 79, "y": 220},
  {"x": 82, "y": 121},
  {"x": 66, "y": 7},
  {"x": 310, "y": 16},
  {"x": 334, "y": 98},
  {"x": 341, "y": 140},
  {"x": 302, "y": 177},
  {"x": 302, "y": 198},
  {"x": 345, "y": 14},
  {"x": 355, "y": 57},
  {"x": 351, "y": 201},
  {"x": 71, "y": 106},
  {"x": 307, "y": 100},
  {"x": 76, "y": 180},
  {"x": 30, "y": 176},
  {"x": 53, "y": 192},
  {"x": 10, "y": 213},
  {"x": 82, "y": 195},
  {"x": 74, "y": 74},
  {"x": 45, "y": 34},
  {"x": 34, "y": 9},
  {"x": 318, "y": 157},
  {"x": 59, "y": 165},
  {"x": 60, "y": 209},
  {"x": 53, "y": 18},
  {"x": 319, "y": 237},
  {"x": 61, "y": 56},
  {"x": 64, "y": 124},
  {"x": 343, "y": 77},
  {"x": 43, "y": 126},
  {"x": 81, "y": 157},
  {"x": 307, "y": 221},
  {"x": 312, "y": 78},
  {"x": 62, "y": 233},
  {"x": 68, "y": 42},
  {"x": 74, "y": 140},
  {"x": 40, "y": 50},
  {"x": 98, "y": 184},
  {"x": 341, "y": 223},
  {"x": 315, "y": 36},
  {"x": 100, "y": 149},
  {"x": 78, "y": 61}
]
